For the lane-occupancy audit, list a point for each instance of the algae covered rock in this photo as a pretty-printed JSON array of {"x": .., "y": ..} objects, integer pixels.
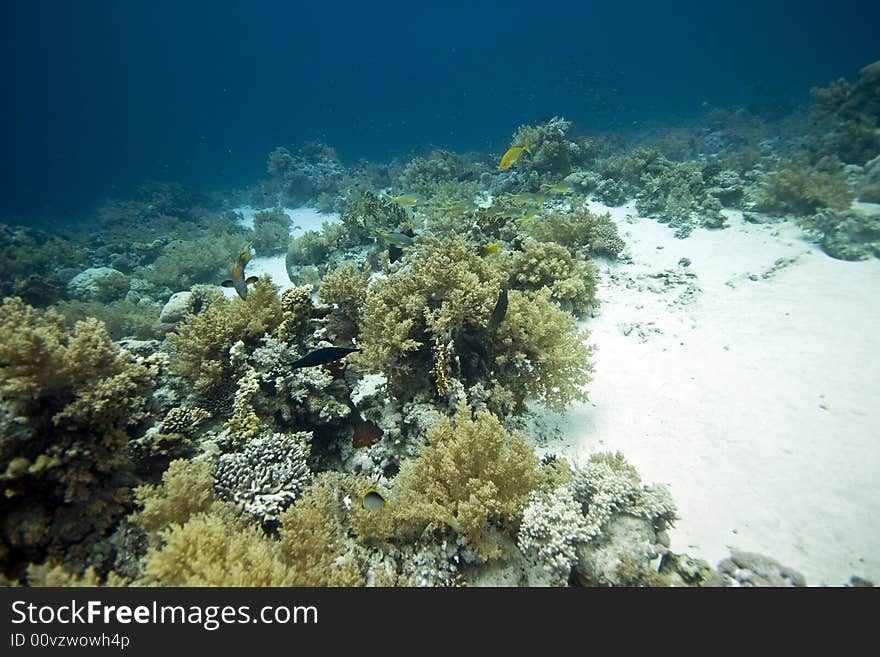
[
  {"x": 98, "y": 284},
  {"x": 176, "y": 308},
  {"x": 846, "y": 235},
  {"x": 752, "y": 569}
]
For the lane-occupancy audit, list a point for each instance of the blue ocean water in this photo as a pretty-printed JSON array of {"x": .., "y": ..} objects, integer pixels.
[{"x": 99, "y": 95}]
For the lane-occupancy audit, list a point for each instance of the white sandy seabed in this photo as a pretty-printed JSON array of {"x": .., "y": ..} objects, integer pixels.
[
  {"x": 302, "y": 219},
  {"x": 756, "y": 401}
]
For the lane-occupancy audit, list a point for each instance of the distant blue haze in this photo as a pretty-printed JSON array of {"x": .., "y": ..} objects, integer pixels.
[{"x": 99, "y": 95}]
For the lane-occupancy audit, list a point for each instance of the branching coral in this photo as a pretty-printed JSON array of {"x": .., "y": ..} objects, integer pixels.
[
  {"x": 217, "y": 547},
  {"x": 540, "y": 352},
  {"x": 552, "y": 528},
  {"x": 445, "y": 288},
  {"x": 201, "y": 344},
  {"x": 346, "y": 289},
  {"x": 67, "y": 400},
  {"x": 602, "y": 523},
  {"x": 472, "y": 477},
  {"x": 571, "y": 280},
  {"x": 800, "y": 189}
]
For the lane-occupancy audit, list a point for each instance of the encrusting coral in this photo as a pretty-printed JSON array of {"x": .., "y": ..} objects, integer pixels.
[{"x": 267, "y": 476}]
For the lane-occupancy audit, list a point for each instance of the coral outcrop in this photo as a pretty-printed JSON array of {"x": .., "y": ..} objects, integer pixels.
[{"x": 68, "y": 400}]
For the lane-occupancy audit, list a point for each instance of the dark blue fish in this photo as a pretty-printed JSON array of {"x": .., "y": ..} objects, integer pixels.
[
  {"x": 323, "y": 356},
  {"x": 499, "y": 311}
]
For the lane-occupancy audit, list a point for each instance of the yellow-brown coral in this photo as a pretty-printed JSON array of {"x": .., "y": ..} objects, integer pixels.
[
  {"x": 202, "y": 342},
  {"x": 472, "y": 477}
]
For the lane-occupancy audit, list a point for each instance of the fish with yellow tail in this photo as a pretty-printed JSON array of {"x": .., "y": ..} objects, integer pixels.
[
  {"x": 406, "y": 199},
  {"x": 512, "y": 155},
  {"x": 238, "y": 281},
  {"x": 558, "y": 188},
  {"x": 372, "y": 499}
]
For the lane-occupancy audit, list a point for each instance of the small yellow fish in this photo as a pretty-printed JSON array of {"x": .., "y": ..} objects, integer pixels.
[
  {"x": 405, "y": 199},
  {"x": 459, "y": 208},
  {"x": 512, "y": 155},
  {"x": 558, "y": 188},
  {"x": 372, "y": 499},
  {"x": 394, "y": 237},
  {"x": 487, "y": 249},
  {"x": 523, "y": 199}
]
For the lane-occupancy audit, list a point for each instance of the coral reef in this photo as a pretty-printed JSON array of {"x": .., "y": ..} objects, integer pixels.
[
  {"x": 67, "y": 402},
  {"x": 800, "y": 189},
  {"x": 272, "y": 395},
  {"x": 602, "y": 527},
  {"x": 423, "y": 175},
  {"x": 752, "y": 569},
  {"x": 32, "y": 265},
  {"x": 201, "y": 344},
  {"x": 472, "y": 477},
  {"x": 853, "y": 111},
  {"x": 267, "y": 476},
  {"x": 571, "y": 280},
  {"x": 869, "y": 186},
  {"x": 314, "y": 172},
  {"x": 553, "y": 150}
]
